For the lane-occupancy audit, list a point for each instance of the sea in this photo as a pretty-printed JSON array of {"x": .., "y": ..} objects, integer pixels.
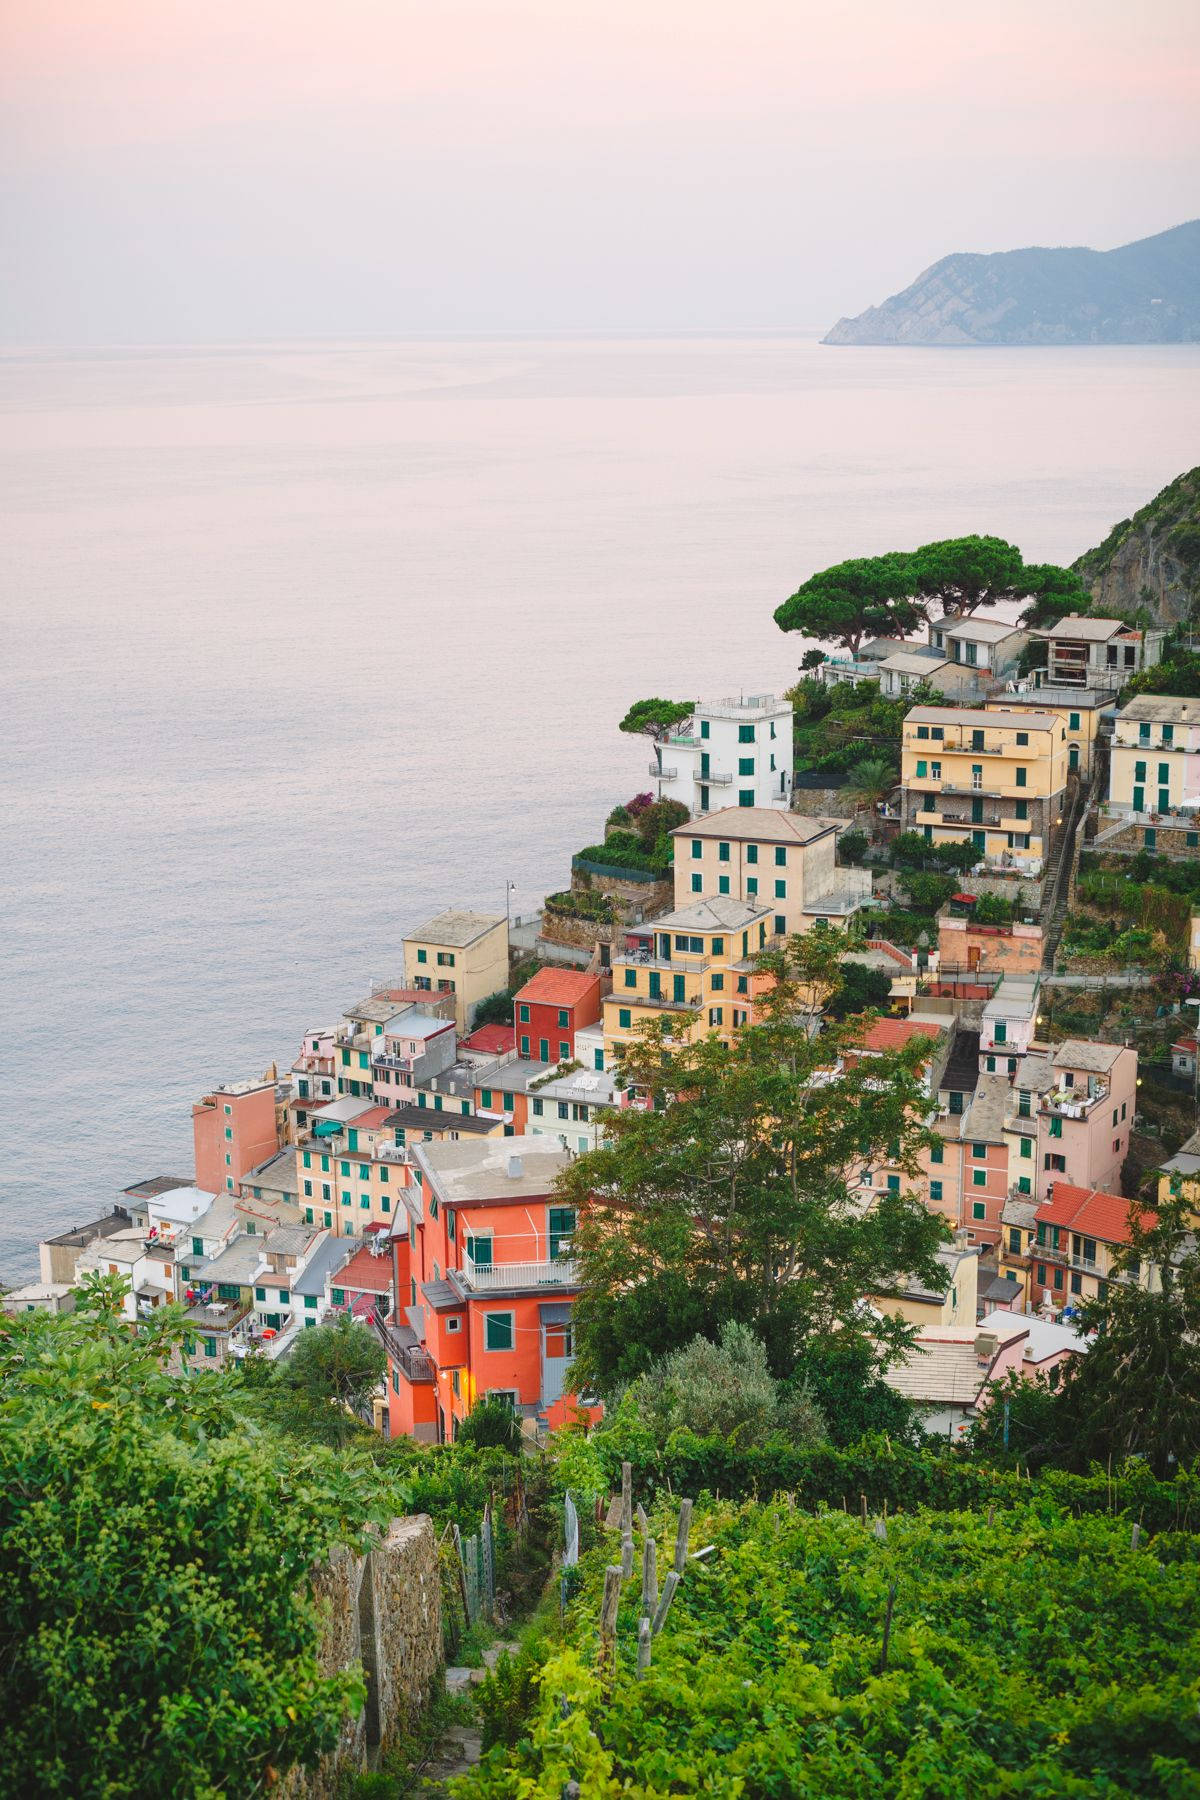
[{"x": 302, "y": 643}]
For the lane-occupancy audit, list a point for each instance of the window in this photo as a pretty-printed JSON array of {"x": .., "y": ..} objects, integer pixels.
[
  {"x": 718, "y": 983},
  {"x": 745, "y": 796},
  {"x": 1026, "y": 1147},
  {"x": 722, "y": 852},
  {"x": 678, "y": 985},
  {"x": 564, "y": 1018},
  {"x": 979, "y": 1177},
  {"x": 543, "y": 1050},
  {"x": 498, "y": 1333},
  {"x": 751, "y": 853},
  {"x": 1041, "y": 1273},
  {"x": 308, "y": 1188},
  {"x": 1001, "y": 1032},
  {"x": 752, "y": 882},
  {"x": 922, "y": 731},
  {"x": 1150, "y": 837},
  {"x": 539, "y": 1107},
  {"x": 624, "y": 1017},
  {"x": 935, "y": 1190},
  {"x": 745, "y": 734},
  {"x": 1020, "y": 809},
  {"x": 260, "y": 1293},
  {"x": 1022, "y": 738},
  {"x": 956, "y": 1104},
  {"x": 229, "y": 1131},
  {"x": 893, "y": 1184},
  {"x": 210, "y": 1346},
  {"x": 922, "y": 769},
  {"x": 979, "y": 1151},
  {"x": 422, "y": 956},
  {"x": 718, "y": 945},
  {"x": 561, "y": 1226},
  {"x": 197, "y": 1246},
  {"x": 1021, "y": 777},
  {"x": 745, "y": 765},
  {"x": 978, "y": 1209},
  {"x": 781, "y": 890},
  {"x": 781, "y": 856},
  {"x": 716, "y": 1015},
  {"x": 722, "y": 884},
  {"x": 704, "y": 728},
  {"x": 697, "y": 849},
  {"x": 445, "y": 959},
  {"x": 564, "y": 1111},
  {"x": 937, "y": 1154}
]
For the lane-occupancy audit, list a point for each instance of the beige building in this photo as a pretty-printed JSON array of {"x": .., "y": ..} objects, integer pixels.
[
  {"x": 698, "y": 967},
  {"x": 1154, "y": 766},
  {"x": 463, "y": 954},
  {"x": 1080, "y": 709},
  {"x": 778, "y": 862},
  {"x": 955, "y": 1304},
  {"x": 991, "y": 777}
]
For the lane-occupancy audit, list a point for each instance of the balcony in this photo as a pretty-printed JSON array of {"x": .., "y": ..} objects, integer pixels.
[
  {"x": 713, "y": 780},
  {"x": 663, "y": 774},
  {"x": 562, "y": 1272},
  {"x": 1070, "y": 1103},
  {"x": 384, "y": 1059}
]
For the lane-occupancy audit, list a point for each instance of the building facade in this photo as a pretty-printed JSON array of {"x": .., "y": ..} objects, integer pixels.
[
  {"x": 460, "y": 953},
  {"x": 1154, "y": 764},
  {"x": 729, "y": 752},
  {"x": 779, "y": 861},
  {"x": 993, "y": 779},
  {"x": 233, "y": 1129},
  {"x": 550, "y": 1008}
]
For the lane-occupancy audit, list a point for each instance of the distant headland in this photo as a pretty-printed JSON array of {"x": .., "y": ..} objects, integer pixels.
[{"x": 1142, "y": 293}]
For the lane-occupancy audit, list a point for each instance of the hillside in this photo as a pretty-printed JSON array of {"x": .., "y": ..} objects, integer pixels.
[
  {"x": 1142, "y": 293},
  {"x": 1152, "y": 559}
]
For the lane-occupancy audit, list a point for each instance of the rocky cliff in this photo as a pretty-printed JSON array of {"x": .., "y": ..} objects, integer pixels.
[
  {"x": 1142, "y": 293},
  {"x": 1152, "y": 559}
]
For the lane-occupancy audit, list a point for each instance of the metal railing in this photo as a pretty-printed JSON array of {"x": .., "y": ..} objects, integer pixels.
[
  {"x": 663, "y": 774},
  {"x": 712, "y": 780},
  {"x": 562, "y": 1271}
]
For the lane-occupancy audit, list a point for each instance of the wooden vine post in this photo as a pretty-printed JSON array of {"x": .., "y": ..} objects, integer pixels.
[
  {"x": 608, "y": 1618},
  {"x": 681, "y": 1536},
  {"x": 649, "y": 1577}
]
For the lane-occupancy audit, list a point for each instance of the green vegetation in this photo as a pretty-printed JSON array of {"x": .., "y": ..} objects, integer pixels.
[
  {"x": 911, "y": 850},
  {"x": 158, "y": 1634},
  {"x": 497, "y": 1009},
  {"x": 869, "y": 782},
  {"x": 1177, "y": 673},
  {"x": 861, "y": 989},
  {"x": 1171, "y": 522},
  {"x": 723, "y": 1390},
  {"x": 654, "y": 718},
  {"x": 890, "y": 595},
  {"x": 625, "y": 850},
  {"x": 852, "y": 848},
  {"x": 1029, "y": 1654},
  {"x": 832, "y": 725},
  {"x": 731, "y": 1203},
  {"x": 582, "y": 903}
]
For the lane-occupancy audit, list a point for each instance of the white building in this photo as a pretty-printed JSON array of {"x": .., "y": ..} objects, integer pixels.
[
  {"x": 1100, "y": 654},
  {"x": 990, "y": 646},
  {"x": 729, "y": 753},
  {"x": 567, "y": 1109}
]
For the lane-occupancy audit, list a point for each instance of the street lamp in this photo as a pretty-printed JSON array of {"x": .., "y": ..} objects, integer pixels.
[{"x": 510, "y": 888}]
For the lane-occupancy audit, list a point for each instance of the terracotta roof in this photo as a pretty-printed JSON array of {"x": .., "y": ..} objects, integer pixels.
[
  {"x": 893, "y": 1034},
  {"x": 1188, "y": 1044},
  {"x": 1090, "y": 1212},
  {"x": 558, "y": 987},
  {"x": 366, "y": 1274},
  {"x": 492, "y": 1040},
  {"x": 372, "y": 1120}
]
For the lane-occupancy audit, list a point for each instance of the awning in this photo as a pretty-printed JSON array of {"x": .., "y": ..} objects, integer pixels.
[{"x": 555, "y": 1312}]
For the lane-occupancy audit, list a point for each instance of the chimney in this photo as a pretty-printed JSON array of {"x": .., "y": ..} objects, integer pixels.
[{"x": 516, "y": 1168}]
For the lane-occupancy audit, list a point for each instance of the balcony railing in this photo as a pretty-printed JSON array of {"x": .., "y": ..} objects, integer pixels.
[
  {"x": 663, "y": 774},
  {"x": 384, "y": 1059},
  {"x": 1073, "y": 1104},
  {"x": 714, "y": 780},
  {"x": 488, "y": 1277}
]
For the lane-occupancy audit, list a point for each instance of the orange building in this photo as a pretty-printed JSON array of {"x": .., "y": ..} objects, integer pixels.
[
  {"x": 485, "y": 1281},
  {"x": 234, "y": 1130}
]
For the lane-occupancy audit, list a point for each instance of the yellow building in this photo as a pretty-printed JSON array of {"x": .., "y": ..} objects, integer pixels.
[
  {"x": 699, "y": 959},
  {"x": 1154, "y": 766},
  {"x": 956, "y": 1304},
  {"x": 463, "y": 954},
  {"x": 770, "y": 859},
  {"x": 1179, "y": 1178},
  {"x": 1080, "y": 710},
  {"x": 355, "y": 1178},
  {"x": 995, "y": 779}
]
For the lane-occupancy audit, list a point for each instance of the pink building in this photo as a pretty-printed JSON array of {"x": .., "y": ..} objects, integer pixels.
[
  {"x": 234, "y": 1130},
  {"x": 1084, "y": 1119}
]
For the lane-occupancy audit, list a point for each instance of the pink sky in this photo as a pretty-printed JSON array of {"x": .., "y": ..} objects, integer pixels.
[{"x": 280, "y": 167}]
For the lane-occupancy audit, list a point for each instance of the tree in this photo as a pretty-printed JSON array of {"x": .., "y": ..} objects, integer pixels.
[
  {"x": 158, "y": 1630},
  {"x": 659, "y": 819},
  {"x": 491, "y": 1422},
  {"x": 496, "y": 1009},
  {"x": 332, "y": 1373},
  {"x": 723, "y": 1390},
  {"x": 1056, "y": 594},
  {"x": 866, "y": 597},
  {"x": 734, "y": 1202},
  {"x": 654, "y": 718},
  {"x": 962, "y": 574},
  {"x": 862, "y": 989},
  {"x": 852, "y": 848},
  {"x": 1137, "y": 1390},
  {"x": 869, "y": 782}
]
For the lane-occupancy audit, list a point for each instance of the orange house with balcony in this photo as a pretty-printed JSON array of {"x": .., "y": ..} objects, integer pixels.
[{"x": 485, "y": 1283}]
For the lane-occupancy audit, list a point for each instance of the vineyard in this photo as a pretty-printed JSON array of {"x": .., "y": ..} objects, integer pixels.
[{"x": 1020, "y": 1651}]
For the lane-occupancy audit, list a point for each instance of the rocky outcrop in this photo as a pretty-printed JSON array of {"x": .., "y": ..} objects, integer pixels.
[
  {"x": 1152, "y": 560},
  {"x": 1142, "y": 293}
]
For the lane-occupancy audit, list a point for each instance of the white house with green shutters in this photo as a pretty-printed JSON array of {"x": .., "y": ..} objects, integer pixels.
[{"x": 735, "y": 752}]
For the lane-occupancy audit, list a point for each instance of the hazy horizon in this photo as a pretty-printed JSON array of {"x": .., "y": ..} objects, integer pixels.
[{"x": 178, "y": 173}]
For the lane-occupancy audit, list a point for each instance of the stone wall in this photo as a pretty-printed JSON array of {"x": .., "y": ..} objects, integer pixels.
[{"x": 383, "y": 1610}]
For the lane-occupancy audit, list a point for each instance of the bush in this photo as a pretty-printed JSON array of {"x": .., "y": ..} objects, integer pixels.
[
  {"x": 852, "y": 848},
  {"x": 926, "y": 890},
  {"x": 655, "y": 821},
  {"x": 862, "y": 988},
  {"x": 582, "y": 903},
  {"x": 723, "y": 1390},
  {"x": 491, "y": 1424}
]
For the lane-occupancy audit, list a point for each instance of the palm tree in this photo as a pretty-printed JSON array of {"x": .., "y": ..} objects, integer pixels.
[{"x": 869, "y": 782}]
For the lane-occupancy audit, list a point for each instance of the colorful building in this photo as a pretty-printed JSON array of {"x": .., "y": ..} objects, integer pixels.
[
  {"x": 1080, "y": 710},
  {"x": 484, "y": 1281},
  {"x": 1154, "y": 761},
  {"x": 783, "y": 862},
  {"x": 550, "y": 1008},
  {"x": 461, "y": 954},
  {"x": 1079, "y": 1234},
  {"x": 991, "y": 778},
  {"x": 413, "y": 1047},
  {"x": 699, "y": 960},
  {"x": 233, "y": 1129}
]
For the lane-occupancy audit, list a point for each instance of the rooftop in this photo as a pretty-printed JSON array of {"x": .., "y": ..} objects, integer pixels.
[
  {"x": 151, "y": 1189},
  {"x": 325, "y": 1260},
  {"x": 456, "y": 930},
  {"x": 760, "y": 824},
  {"x": 1069, "y": 698},
  {"x": 943, "y": 1366},
  {"x": 427, "y": 1118},
  {"x": 376, "y": 1010},
  {"x": 893, "y": 1034},
  {"x": 1046, "y": 1337},
  {"x": 343, "y": 1112},
  {"x": 278, "y": 1173},
  {"x": 1171, "y": 707},
  {"x": 490, "y": 1040},
  {"x": 1090, "y": 1212},
  {"x": 913, "y": 660},
  {"x": 975, "y": 716},
  {"x": 414, "y": 1022},
  {"x": 79, "y": 1236},
  {"x": 975, "y": 631},
  {"x": 1083, "y": 630},
  {"x": 1080, "y": 1053},
  {"x": 724, "y": 914},
  {"x": 558, "y": 987},
  {"x": 366, "y": 1272},
  {"x": 492, "y": 1169},
  {"x": 237, "y": 1263}
]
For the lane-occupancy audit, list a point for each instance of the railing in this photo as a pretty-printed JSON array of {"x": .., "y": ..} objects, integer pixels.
[
  {"x": 485, "y": 1277},
  {"x": 1071, "y": 1103},
  {"x": 385, "y": 1060},
  {"x": 663, "y": 774},
  {"x": 714, "y": 780}
]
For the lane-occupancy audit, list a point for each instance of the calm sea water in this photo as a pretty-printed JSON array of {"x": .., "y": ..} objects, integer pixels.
[{"x": 303, "y": 643}]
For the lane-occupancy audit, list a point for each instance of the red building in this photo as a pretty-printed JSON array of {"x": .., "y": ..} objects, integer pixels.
[
  {"x": 550, "y": 1008},
  {"x": 484, "y": 1283},
  {"x": 234, "y": 1130}
]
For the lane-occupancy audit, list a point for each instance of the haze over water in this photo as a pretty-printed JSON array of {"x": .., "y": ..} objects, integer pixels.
[{"x": 303, "y": 643}]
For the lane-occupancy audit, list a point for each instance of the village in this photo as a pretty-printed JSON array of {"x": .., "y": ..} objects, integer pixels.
[{"x": 403, "y": 1169}]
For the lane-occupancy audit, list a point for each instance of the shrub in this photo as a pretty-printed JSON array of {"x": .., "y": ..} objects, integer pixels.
[
  {"x": 852, "y": 848},
  {"x": 723, "y": 1390},
  {"x": 491, "y": 1424}
]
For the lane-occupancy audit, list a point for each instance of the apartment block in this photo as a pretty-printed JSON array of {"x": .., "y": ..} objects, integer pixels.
[
  {"x": 1154, "y": 765},
  {"x": 462, "y": 954},
  {"x": 780, "y": 861},
  {"x": 550, "y": 1008},
  {"x": 1081, "y": 710},
  {"x": 233, "y": 1129},
  {"x": 991, "y": 778},
  {"x": 729, "y": 751},
  {"x": 991, "y": 647},
  {"x": 699, "y": 960}
]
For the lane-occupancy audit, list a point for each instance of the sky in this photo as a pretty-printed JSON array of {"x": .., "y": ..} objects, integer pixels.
[{"x": 199, "y": 170}]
